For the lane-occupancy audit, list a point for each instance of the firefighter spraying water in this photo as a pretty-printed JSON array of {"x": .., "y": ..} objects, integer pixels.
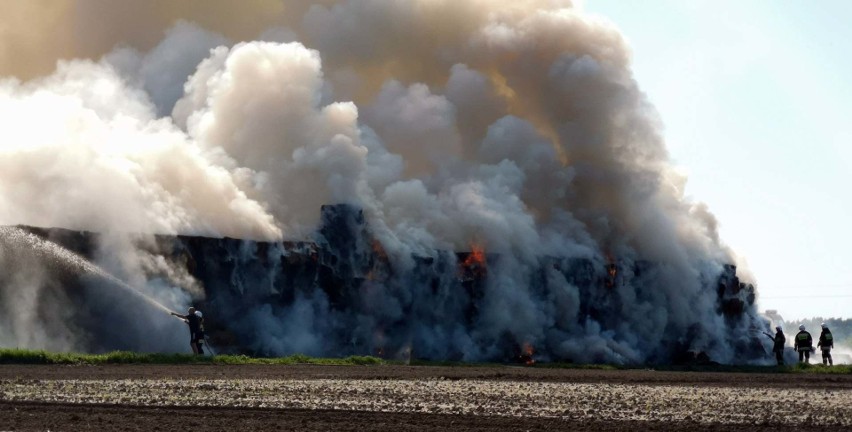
[
  {"x": 195, "y": 320},
  {"x": 778, "y": 341}
]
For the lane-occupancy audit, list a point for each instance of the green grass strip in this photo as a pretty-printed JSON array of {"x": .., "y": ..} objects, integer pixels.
[
  {"x": 797, "y": 368},
  {"x": 21, "y": 356}
]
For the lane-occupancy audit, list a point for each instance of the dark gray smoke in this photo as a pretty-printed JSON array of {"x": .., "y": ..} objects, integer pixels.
[{"x": 512, "y": 127}]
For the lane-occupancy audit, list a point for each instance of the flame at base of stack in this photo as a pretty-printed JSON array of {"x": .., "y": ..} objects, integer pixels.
[{"x": 526, "y": 356}]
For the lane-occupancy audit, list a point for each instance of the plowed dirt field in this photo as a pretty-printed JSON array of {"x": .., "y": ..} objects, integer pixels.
[{"x": 402, "y": 398}]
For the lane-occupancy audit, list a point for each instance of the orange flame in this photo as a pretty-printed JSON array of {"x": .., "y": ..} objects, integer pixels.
[
  {"x": 474, "y": 265},
  {"x": 527, "y": 354},
  {"x": 476, "y": 257}
]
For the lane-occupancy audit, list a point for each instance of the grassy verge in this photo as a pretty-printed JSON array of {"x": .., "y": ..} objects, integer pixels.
[
  {"x": 796, "y": 368},
  {"x": 20, "y": 356},
  {"x": 539, "y": 365}
]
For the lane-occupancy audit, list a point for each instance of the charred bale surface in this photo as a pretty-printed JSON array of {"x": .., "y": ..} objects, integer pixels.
[{"x": 428, "y": 307}]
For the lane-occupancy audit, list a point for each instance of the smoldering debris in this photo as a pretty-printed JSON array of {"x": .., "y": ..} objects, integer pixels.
[{"x": 341, "y": 294}]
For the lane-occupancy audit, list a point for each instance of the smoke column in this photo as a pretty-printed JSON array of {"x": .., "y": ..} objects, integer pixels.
[{"x": 516, "y": 127}]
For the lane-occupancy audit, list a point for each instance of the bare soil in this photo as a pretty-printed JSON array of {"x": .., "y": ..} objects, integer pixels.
[{"x": 402, "y": 398}]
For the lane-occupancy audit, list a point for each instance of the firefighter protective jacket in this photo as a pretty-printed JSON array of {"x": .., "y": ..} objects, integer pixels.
[
  {"x": 804, "y": 341},
  {"x": 780, "y": 340},
  {"x": 826, "y": 340}
]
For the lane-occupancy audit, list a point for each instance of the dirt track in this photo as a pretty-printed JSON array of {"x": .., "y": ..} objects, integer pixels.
[{"x": 385, "y": 398}]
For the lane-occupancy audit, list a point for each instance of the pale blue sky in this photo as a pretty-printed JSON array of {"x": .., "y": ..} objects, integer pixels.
[{"x": 756, "y": 98}]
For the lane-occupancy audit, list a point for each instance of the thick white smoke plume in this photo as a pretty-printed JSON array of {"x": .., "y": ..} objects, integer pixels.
[{"x": 515, "y": 126}]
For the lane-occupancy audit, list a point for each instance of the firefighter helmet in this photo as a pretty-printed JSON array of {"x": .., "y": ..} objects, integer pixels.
[{"x": 802, "y": 327}]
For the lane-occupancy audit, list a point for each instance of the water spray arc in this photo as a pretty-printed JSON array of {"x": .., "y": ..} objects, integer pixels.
[{"x": 16, "y": 240}]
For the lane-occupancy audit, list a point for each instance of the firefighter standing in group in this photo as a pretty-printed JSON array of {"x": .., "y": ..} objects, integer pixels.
[
  {"x": 826, "y": 343},
  {"x": 804, "y": 344}
]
